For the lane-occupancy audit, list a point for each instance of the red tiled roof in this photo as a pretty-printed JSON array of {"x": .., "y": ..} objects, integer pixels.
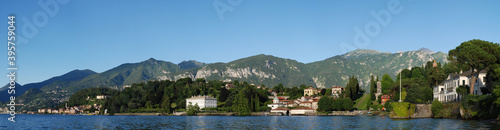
[
  {"x": 281, "y": 108},
  {"x": 385, "y": 96},
  {"x": 281, "y": 98},
  {"x": 315, "y": 100},
  {"x": 303, "y": 108}
]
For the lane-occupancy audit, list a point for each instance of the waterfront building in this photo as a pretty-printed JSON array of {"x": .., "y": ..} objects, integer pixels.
[
  {"x": 438, "y": 92},
  {"x": 202, "y": 101},
  {"x": 301, "y": 111},
  {"x": 384, "y": 98},
  {"x": 446, "y": 92},
  {"x": 276, "y": 103},
  {"x": 282, "y": 110}
]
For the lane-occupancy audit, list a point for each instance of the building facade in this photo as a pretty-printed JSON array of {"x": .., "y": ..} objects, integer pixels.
[
  {"x": 447, "y": 92},
  {"x": 310, "y": 91},
  {"x": 336, "y": 91},
  {"x": 202, "y": 101}
]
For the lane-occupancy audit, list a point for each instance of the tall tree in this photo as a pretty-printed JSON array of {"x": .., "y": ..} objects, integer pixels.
[
  {"x": 475, "y": 54},
  {"x": 240, "y": 105},
  {"x": 387, "y": 82}
]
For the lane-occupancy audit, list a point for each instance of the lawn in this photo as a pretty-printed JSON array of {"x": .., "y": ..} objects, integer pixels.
[{"x": 363, "y": 102}]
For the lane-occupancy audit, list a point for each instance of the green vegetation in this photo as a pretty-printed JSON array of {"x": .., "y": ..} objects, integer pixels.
[
  {"x": 192, "y": 109},
  {"x": 169, "y": 96},
  {"x": 400, "y": 109},
  {"x": 88, "y": 96},
  {"x": 363, "y": 104},
  {"x": 326, "y": 104},
  {"x": 436, "y": 108},
  {"x": 475, "y": 55},
  {"x": 352, "y": 89}
]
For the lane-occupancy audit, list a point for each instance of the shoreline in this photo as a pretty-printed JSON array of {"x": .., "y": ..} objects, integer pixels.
[{"x": 497, "y": 121}]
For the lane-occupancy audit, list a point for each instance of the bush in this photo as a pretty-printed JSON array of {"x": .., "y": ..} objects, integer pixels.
[
  {"x": 209, "y": 109},
  {"x": 264, "y": 108},
  {"x": 401, "y": 109},
  {"x": 436, "y": 108},
  {"x": 387, "y": 105},
  {"x": 479, "y": 107},
  {"x": 374, "y": 107}
]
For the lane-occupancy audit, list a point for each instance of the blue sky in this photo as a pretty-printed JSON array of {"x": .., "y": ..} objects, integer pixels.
[{"x": 100, "y": 35}]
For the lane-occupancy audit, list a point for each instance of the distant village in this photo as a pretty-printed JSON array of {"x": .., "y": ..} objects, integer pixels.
[{"x": 83, "y": 109}]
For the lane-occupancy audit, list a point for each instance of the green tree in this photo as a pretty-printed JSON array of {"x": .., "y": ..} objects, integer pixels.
[
  {"x": 462, "y": 90},
  {"x": 328, "y": 91},
  {"x": 347, "y": 104},
  {"x": 387, "y": 105},
  {"x": 240, "y": 105},
  {"x": 192, "y": 109},
  {"x": 352, "y": 88},
  {"x": 387, "y": 82},
  {"x": 436, "y": 107},
  {"x": 337, "y": 104},
  {"x": 475, "y": 54},
  {"x": 324, "y": 104}
]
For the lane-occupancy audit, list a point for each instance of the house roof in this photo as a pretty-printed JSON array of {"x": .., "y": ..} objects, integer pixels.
[
  {"x": 202, "y": 97},
  {"x": 338, "y": 87},
  {"x": 303, "y": 108},
  {"x": 310, "y": 88},
  {"x": 385, "y": 97},
  {"x": 281, "y": 108}
]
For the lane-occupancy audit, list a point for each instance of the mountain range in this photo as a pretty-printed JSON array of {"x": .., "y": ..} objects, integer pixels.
[{"x": 259, "y": 69}]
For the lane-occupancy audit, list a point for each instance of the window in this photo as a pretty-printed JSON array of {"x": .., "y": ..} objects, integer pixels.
[{"x": 463, "y": 82}]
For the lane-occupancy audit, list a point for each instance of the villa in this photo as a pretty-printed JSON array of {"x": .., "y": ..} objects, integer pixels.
[
  {"x": 102, "y": 96},
  {"x": 202, "y": 101},
  {"x": 336, "y": 91},
  {"x": 446, "y": 92},
  {"x": 310, "y": 91}
]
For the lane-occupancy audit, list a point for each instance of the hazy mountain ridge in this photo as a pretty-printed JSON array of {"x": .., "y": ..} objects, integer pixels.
[{"x": 70, "y": 76}]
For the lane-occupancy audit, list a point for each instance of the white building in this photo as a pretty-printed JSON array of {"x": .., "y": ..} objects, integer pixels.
[
  {"x": 102, "y": 96},
  {"x": 202, "y": 101},
  {"x": 301, "y": 111},
  {"x": 438, "y": 91},
  {"x": 276, "y": 103},
  {"x": 447, "y": 92},
  {"x": 336, "y": 91}
]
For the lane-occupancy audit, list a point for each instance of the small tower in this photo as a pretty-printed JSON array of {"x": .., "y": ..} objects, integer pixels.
[{"x": 434, "y": 64}]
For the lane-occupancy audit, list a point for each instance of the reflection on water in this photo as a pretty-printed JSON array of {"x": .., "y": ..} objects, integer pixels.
[{"x": 231, "y": 122}]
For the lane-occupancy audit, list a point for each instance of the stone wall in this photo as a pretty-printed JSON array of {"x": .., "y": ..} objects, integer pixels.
[{"x": 422, "y": 111}]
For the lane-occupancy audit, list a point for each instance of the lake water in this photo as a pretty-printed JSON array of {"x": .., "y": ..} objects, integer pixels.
[{"x": 232, "y": 122}]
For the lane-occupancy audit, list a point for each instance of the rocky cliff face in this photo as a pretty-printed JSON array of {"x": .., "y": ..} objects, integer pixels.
[{"x": 335, "y": 71}]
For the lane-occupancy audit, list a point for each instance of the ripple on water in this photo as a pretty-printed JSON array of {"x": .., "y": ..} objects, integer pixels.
[{"x": 230, "y": 122}]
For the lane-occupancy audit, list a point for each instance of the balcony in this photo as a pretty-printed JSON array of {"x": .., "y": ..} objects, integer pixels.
[{"x": 449, "y": 89}]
